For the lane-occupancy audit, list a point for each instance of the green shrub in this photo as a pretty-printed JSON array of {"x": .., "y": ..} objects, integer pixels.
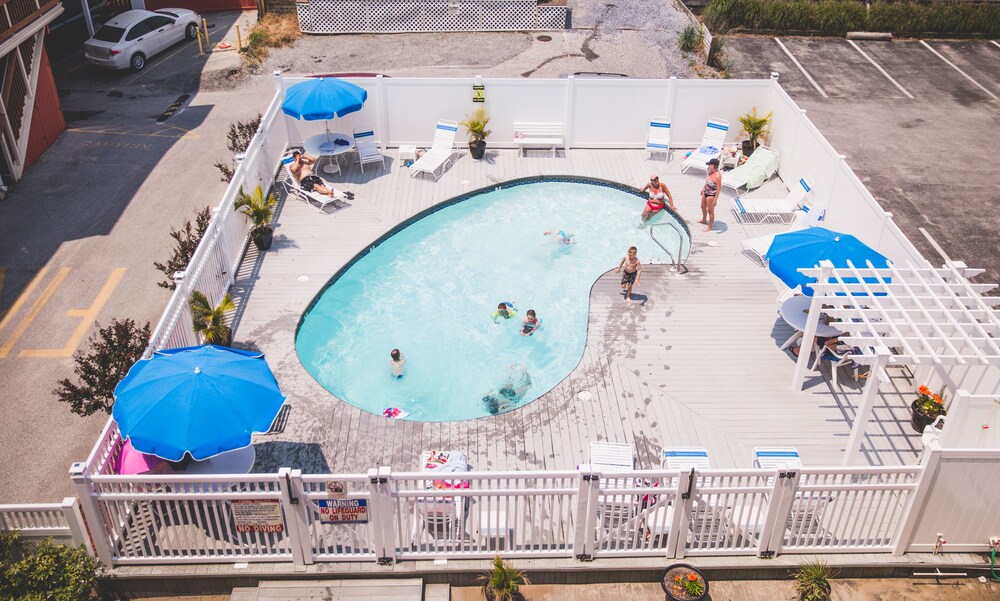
[
  {"x": 691, "y": 39},
  {"x": 45, "y": 571}
]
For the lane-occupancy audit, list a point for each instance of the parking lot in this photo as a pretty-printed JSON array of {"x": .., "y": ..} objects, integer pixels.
[{"x": 917, "y": 120}]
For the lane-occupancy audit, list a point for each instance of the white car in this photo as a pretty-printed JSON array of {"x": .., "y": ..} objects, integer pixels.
[{"x": 133, "y": 37}]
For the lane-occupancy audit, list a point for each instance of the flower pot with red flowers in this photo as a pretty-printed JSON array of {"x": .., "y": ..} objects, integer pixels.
[
  {"x": 682, "y": 582},
  {"x": 928, "y": 406}
]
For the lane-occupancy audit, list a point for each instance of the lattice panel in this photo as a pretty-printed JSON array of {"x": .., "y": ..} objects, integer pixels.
[{"x": 399, "y": 16}]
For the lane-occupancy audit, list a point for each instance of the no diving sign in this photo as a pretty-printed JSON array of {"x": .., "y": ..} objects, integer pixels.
[{"x": 343, "y": 511}]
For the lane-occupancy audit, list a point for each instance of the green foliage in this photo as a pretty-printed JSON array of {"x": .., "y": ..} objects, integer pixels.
[
  {"x": 476, "y": 125},
  {"x": 691, "y": 39},
  {"x": 187, "y": 240},
  {"x": 256, "y": 206},
  {"x": 113, "y": 350},
  {"x": 812, "y": 580},
  {"x": 755, "y": 126},
  {"x": 238, "y": 140},
  {"x": 503, "y": 582},
  {"x": 209, "y": 321},
  {"x": 45, "y": 571},
  {"x": 836, "y": 17}
]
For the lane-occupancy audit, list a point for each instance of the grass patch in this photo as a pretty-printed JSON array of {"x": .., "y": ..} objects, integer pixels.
[
  {"x": 691, "y": 39},
  {"x": 273, "y": 31},
  {"x": 836, "y": 17}
]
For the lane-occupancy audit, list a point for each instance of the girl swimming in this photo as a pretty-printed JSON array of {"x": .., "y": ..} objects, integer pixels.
[{"x": 531, "y": 323}]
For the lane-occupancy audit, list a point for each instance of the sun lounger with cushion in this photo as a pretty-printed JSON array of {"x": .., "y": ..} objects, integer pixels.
[{"x": 754, "y": 172}]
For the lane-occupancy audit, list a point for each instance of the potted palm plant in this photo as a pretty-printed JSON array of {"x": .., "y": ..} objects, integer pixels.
[
  {"x": 503, "y": 582},
  {"x": 476, "y": 125},
  {"x": 210, "y": 322},
  {"x": 682, "y": 582},
  {"x": 928, "y": 406},
  {"x": 812, "y": 580},
  {"x": 755, "y": 127},
  {"x": 260, "y": 210}
]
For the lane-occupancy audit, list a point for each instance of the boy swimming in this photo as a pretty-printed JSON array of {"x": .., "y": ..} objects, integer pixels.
[
  {"x": 505, "y": 310},
  {"x": 560, "y": 237},
  {"x": 396, "y": 363}
]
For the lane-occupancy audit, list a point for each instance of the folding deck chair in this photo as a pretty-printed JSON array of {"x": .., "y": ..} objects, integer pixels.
[
  {"x": 440, "y": 152},
  {"x": 711, "y": 145},
  {"x": 368, "y": 147},
  {"x": 771, "y": 210},
  {"x": 658, "y": 138}
]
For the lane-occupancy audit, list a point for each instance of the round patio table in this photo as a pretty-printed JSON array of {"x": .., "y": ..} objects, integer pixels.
[
  {"x": 795, "y": 312},
  {"x": 324, "y": 147},
  {"x": 239, "y": 461}
]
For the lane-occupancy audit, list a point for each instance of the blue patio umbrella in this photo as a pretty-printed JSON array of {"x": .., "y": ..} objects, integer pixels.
[
  {"x": 203, "y": 400},
  {"x": 792, "y": 251},
  {"x": 323, "y": 99}
]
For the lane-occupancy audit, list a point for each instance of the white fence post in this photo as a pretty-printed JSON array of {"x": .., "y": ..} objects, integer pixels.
[
  {"x": 586, "y": 516},
  {"x": 295, "y": 505},
  {"x": 677, "y": 540},
  {"x": 383, "y": 514},
  {"x": 779, "y": 511},
  {"x": 91, "y": 512},
  {"x": 672, "y": 100},
  {"x": 77, "y": 526},
  {"x": 570, "y": 111},
  {"x": 914, "y": 509}
]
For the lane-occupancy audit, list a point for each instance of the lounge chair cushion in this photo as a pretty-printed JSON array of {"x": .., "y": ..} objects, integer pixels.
[{"x": 758, "y": 169}]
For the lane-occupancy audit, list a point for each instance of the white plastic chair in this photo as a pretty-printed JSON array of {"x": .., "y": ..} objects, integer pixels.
[
  {"x": 658, "y": 138},
  {"x": 369, "y": 150},
  {"x": 685, "y": 458},
  {"x": 440, "y": 152},
  {"x": 772, "y": 210},
  {"x": 714, "y": 138},
  {"x": 776, "y": 458}
]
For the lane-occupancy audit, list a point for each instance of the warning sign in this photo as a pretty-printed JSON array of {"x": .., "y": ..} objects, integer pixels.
[
  {"x": 479, "y": 93},
  {"x": 343, "y": 511},
  {"x": 257, "y": 515}
]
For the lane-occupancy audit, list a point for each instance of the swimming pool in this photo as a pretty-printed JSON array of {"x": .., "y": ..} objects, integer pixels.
[{"x": 431, "y": 287}]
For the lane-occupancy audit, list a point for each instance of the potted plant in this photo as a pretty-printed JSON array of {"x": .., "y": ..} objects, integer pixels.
[
  {"x": 755, "y": 127},
  {"x": 682, "y": 582},
  {"x": 503, "y": 582},
  {"x": 476, "y": 125},
  {"x": 209, "y": 321},
  {"x": 928, "y": 406},
  {"x": 260, "y": 210},
  {"x": 812, "y": 580}
]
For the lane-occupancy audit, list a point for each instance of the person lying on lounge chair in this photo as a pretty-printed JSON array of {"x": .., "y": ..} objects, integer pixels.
[{"x": 302, "y": 170}]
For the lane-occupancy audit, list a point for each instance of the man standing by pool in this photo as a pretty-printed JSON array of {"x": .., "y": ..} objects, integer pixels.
[
  {"x": 710, "y": 194},
  {"x": 630, "y": 277}
]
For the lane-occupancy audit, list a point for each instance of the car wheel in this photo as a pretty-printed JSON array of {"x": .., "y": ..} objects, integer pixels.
[
  {"x": 138, "y": 61},
  {"x": 191, "y": 31}
]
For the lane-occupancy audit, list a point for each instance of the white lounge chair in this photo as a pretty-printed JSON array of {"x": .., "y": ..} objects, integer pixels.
[
  {"x": 756, "y": 248},
  {"x": 658, "y": 138},
  {"x": 368, "y": 147},
  {"x": 315, "y": 200},
  {"x": 759, "y": 168},
  {"x": 685, "y": 458},
  {"x": 440, "y": 152},
  {"x": 776, "y": 458},
  {"x": 771, "y": 210},
  {"x": 711, "y": 145},
  {"x": 611, "y": 456}
]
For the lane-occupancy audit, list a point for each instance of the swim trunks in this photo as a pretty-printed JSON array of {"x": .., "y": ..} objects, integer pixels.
[
  {"x": 628, "y": 278},
  {"x": 310, "y": 181}
]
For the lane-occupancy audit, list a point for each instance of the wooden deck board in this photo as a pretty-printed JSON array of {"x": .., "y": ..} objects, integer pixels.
[{"x": 695, "y": 363}]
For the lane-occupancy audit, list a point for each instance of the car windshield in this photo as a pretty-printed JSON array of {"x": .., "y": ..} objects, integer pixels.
[{"x": 109, "y": 34}]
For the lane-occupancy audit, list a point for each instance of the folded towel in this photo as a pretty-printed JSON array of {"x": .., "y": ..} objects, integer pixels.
[
  {"x": 328, "y": 146},
  {"x": 708, "y": 150}
]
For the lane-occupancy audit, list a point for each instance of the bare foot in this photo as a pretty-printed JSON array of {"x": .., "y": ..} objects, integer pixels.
[
  {"x": 706, "y": 229},
  {"x": 702, "y": 221},
  {"x": 628, "y": 299},
  {"x": 795, "y": 351}
]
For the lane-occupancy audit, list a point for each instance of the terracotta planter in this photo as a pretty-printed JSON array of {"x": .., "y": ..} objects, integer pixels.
[
  {"x": 919, "y": 421},
  {"x": 674, "y": 591}
]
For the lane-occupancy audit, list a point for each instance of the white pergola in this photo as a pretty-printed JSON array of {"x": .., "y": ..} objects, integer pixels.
[{"x": 912, "y": 315}]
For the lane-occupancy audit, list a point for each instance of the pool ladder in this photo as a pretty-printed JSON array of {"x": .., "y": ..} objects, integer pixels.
[{"x": 678, "y": 265}]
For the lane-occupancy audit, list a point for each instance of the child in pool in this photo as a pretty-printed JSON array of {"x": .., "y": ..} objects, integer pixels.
[
  {"x": 505, "y": 310},
  {"x": 560, "y": 237},
  {"x": 396, "y": 363},
  {"x": 531, "y": 323}
]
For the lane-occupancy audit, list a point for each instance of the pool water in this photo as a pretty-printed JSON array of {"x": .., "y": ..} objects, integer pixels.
[{"x": 431, "y": 290}]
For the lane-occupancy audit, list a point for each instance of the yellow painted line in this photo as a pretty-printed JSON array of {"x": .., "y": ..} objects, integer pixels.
[
  {"x": 24, "y": 297},
  {"x": 87, "y": 317},
  {"x": 163, "y": 59},
  {"x": 25, "y": 323},
  {"x": 160, "y": 134}
]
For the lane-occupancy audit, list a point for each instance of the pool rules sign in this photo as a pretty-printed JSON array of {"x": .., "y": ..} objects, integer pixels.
[{"x": 343, "y": 511}]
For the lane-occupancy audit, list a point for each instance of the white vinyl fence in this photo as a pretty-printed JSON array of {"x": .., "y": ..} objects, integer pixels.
[
  {"x": 62, "y": 522},
  {"x": 404, "y": 516}
]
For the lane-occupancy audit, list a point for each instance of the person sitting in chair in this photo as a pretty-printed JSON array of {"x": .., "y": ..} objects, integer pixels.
[{"x": 302, "y": 170}]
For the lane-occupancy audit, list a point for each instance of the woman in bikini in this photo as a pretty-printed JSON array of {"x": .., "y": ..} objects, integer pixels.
[
  {"x": 657, "y": 193},
  {"x": 710, "y": 194},
  {"x": 302, "y": 171}
]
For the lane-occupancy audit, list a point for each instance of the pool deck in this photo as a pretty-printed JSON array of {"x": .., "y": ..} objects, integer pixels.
[{"x": 695, "y": 362}]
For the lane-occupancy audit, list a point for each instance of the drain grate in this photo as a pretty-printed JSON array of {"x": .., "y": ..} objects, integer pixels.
[
  {"x": 544, "y": 38},
  {"x": 172, "y": 108}
]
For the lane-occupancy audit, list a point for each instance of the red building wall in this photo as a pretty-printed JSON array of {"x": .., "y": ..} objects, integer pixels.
[
  {"x": 47, "y": 120},
  {"x": 203, "y": 6}
]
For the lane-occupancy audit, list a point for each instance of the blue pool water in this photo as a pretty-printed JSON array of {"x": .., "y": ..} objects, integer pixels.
[{"x": 431, "y": 288}]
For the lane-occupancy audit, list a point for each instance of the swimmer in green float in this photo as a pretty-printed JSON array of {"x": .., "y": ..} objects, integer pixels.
[{"x": 505, "y": 310}]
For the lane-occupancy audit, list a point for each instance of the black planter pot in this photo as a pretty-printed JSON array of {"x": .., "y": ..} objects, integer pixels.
[
  {"x": 747, "y": 148},
  {"x": 262, "y": 237},
  {"x": 919, "y": 421},
  {"x": 478, "y": 149},
  {"x": 667, "y": 582}
]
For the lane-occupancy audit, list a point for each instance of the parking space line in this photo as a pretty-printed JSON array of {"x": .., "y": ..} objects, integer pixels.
[
  {"x": 22, "y": 297},
  {"x": 25, "y": 323},
  {"x": 880, "y": 69},
  {"x": 994, "y": 42},
  {"x": 164, "y": 59},
  {"x": 964, "y": 74},
  {"x": 803, "y": 69}
]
